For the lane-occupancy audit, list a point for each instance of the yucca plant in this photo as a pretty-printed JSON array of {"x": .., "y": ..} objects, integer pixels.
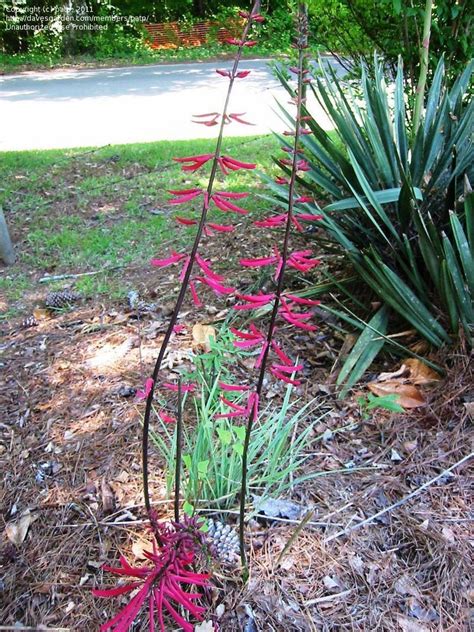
[{"x": 400, "y": 204}]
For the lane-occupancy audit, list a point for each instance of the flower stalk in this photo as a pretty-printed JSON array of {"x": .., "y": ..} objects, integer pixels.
[
  {"x": 300, "y": 44},
  {"x": 186, "y": 276}
]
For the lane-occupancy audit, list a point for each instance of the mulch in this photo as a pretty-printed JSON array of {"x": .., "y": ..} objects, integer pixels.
[{"x": 70, "y": 453}]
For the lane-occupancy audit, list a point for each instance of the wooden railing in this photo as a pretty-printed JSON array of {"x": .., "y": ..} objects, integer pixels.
[{"x": 174, "y": 35}]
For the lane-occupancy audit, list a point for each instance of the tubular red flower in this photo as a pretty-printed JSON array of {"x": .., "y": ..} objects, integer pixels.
[
  {"x": 184, "y": 196},
  {"x": 196, "y": 300},
  {"x": 215, "y": 285},
  {"x": 221, "y": 200},
  {"x": 284, "y": 378},
  {"x": 226, "y": 162},
  {"x": 195, "y": 162},
  {"x": 206, "y": 268},
  {"x": 232, "y": 387},
  {"x": 238, "y": 118},
  {"x": 302, "y": 300},
  {"x": 259, "y": 262},
  {"x": 146, "y": 391},
  {"x": 221, "y": 228},
  {"x": 185, "y": 388},
  {"x": 186, "y": 221},
  {"x": 173, "y": 258},
  {"x": 165, "y": 418},
  {"x": 253, "y": 301}
]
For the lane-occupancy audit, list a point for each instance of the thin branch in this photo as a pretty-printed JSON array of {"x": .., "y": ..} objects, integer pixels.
[{"x": 402, "y": 501}]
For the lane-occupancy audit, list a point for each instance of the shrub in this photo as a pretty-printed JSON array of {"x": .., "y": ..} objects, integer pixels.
[{"x": 401, "y": 212}]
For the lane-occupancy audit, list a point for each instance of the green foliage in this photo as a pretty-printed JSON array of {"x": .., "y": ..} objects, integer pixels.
[
  {"x": 384, "y": 402},
  {"x": 399, "y": 214},
  {"x": 212, "y": 448},
  {"x": 354, "y": 28}
]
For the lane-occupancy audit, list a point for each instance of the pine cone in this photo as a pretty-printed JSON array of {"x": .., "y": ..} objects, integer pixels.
[
  {"x": 223, "y": 541},
  {"x": 63, "y": 298},
  {"x": 29, "y": 321}
]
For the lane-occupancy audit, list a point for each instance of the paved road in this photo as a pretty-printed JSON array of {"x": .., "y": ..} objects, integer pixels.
[{"x": 81, "y": 108}]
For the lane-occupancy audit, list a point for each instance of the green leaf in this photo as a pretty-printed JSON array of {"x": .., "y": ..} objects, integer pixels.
[
  {"x": 365, "y": 350},
  {"x": 188, "y": 509},
  {"x": 225, "y": 436},
  {"x": 239, "y": 432},
  {"x": 187, "y": 460},
  {"x": 238, "y": 448}
]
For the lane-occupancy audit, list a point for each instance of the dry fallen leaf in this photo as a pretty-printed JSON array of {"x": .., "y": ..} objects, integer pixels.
[
  {"x": 409, "y": 396},
  {"x": 140, "y": 547},
  {"x": 202, "y": 335},
  {"x": 410, "y": 625},
  {"x": 108, "y": 500},
  {"x": 41, "y": 314},
  {"x": 205, "y": 626},
  {"x": 420, "y": 373},
  {"x": 16, "y": 530}
]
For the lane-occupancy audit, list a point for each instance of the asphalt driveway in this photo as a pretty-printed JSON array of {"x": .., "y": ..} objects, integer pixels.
[{"x": 95, "y": 107}]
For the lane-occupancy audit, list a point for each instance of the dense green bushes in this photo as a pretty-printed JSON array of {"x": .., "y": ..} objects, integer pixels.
[
  {"x": 354, "y": 28},
  {"x": 400, "y": 207}
]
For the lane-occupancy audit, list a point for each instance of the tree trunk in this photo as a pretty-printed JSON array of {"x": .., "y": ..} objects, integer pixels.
[{"x": 7, "y": 254}]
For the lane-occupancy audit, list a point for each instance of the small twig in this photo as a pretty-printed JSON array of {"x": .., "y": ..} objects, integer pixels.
[
  {"x": 306, "y": 518},
  {"x": 400, "y": 502},
  {"x": 59, "y": 277},
  {"x": 313, "y": 602}
]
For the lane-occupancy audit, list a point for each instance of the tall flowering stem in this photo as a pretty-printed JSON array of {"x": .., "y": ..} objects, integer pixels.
[
  {"x": 183, "y": 196},
  {"x": 278, "y": 299},
  {"x": 179, "y": 440}
]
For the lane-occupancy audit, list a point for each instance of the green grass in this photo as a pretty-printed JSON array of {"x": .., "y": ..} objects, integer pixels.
[
  {"x": 79, "y": 210},
  {"x": 25, "y": 61}
]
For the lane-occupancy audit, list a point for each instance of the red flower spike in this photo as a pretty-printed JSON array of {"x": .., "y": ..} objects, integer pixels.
[
  {"x": 242, "y": 74},
  {"x": 162, "y": 581},
  {"x": 146, "y": 391}
]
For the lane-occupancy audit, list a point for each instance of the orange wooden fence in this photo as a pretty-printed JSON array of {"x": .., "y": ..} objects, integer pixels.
[{"x": 174, "y": 35}]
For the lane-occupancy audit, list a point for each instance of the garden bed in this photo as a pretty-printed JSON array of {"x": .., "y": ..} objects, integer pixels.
[{"x": 70, "y": 435}]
